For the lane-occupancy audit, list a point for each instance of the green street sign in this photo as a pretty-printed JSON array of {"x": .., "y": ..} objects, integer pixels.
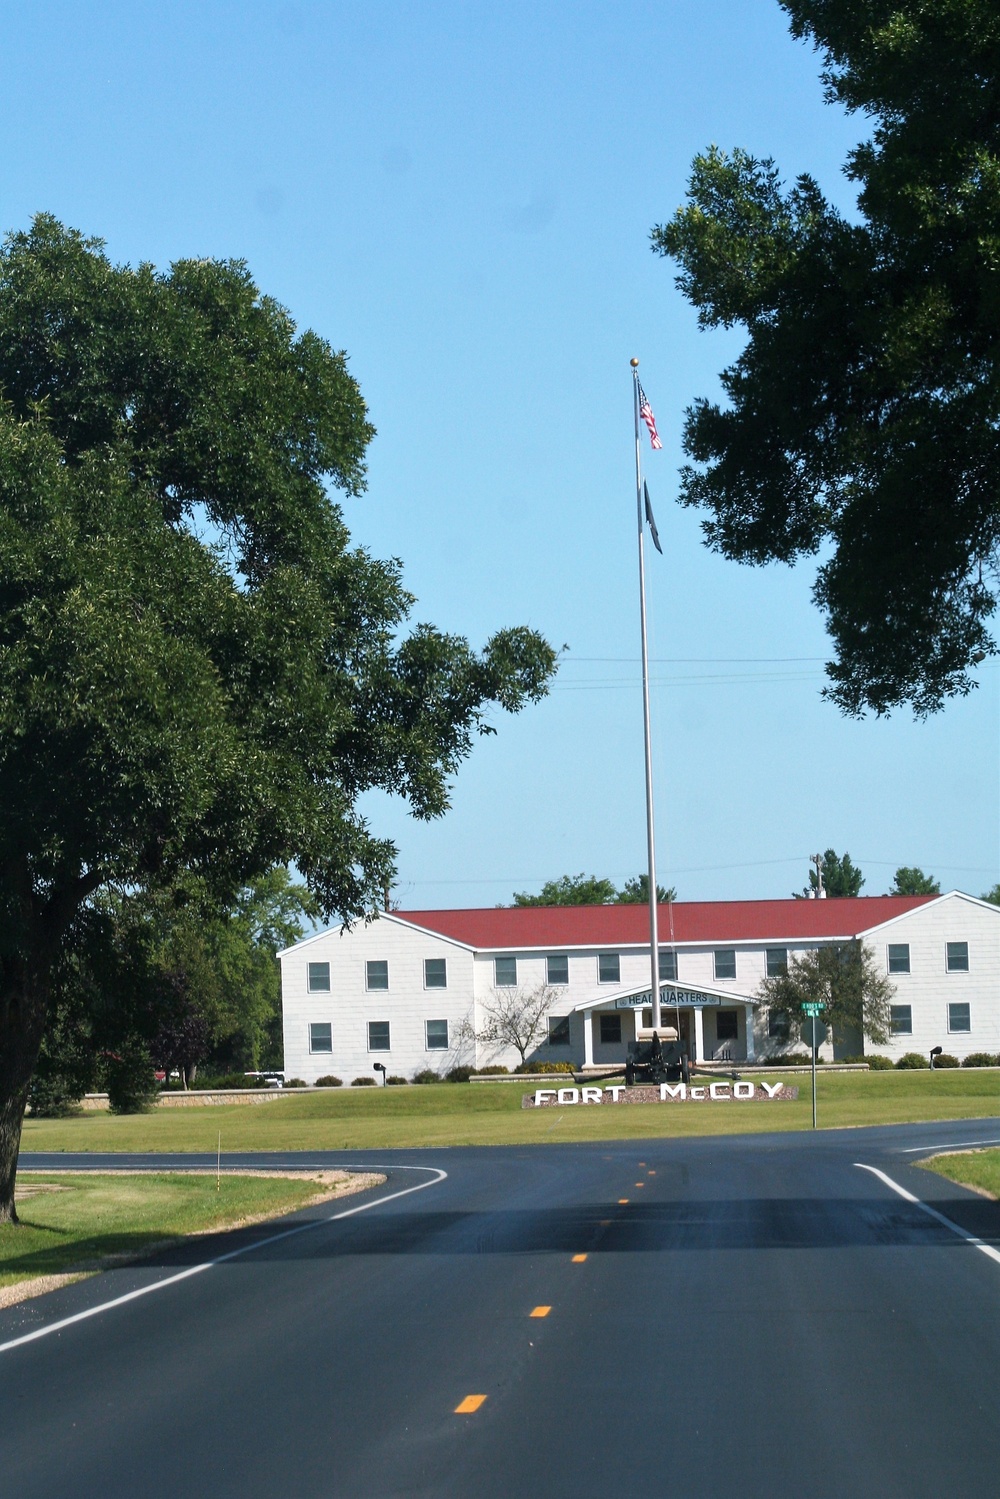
[{"x": 812, "y": 1009}]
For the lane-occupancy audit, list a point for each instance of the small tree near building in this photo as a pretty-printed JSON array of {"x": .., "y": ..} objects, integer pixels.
[
  {"x": 844, "y": 981},
  {"x": 515, "y": 1018},
  {"x": 912, "y": 881}
]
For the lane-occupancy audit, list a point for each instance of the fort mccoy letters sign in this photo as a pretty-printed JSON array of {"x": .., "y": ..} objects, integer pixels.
[{"x": 743, "y": 1091}]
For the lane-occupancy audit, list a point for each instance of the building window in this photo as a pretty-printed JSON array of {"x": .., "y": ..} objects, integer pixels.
[
  {"x": 436, "y": 1035},
  {"x": 321, "y": 1036},
  {"x": 727, "y": 1026},
  {"x": 899, "y": 957},
  {"x": 557, "y": 969},
  {"x": 668, "y": 965},
  {"x": 776, "y": 959},
  {"x": 900, "y": 1020},
  {"x": 435, "y": 973},
  {"x": 611, "y": 1030},
  {"x": 378, "y": 1035},
  {"x": 609, "y": 968},
  {"x": 505, "y": 972},
  {"x": 778, "y": 1025},
  {"x": 377, "y": 974},
  {"x": 959, "y": 1018},
  {"x": 319, "y": 978},
  {"x": 725, "y": 962},
  {"x": 558, "y": 1030},
  {"x": 958, "y": 957}
]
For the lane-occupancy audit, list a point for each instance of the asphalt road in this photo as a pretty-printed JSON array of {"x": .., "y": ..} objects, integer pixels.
[{"x": 743, "y": 1316}]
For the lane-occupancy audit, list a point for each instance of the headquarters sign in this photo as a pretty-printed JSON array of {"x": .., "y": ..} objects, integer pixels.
[{"x": 671, "y": 996}]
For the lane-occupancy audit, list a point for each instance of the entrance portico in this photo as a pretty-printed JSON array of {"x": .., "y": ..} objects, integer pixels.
[{"x": 714, "y": 1023}]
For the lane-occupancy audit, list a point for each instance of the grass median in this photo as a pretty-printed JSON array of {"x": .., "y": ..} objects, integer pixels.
[
  {"x": 73, "y": 1224},
  {"x": 491, "y": 1114},
  {"x": 979, "y": 1169}
]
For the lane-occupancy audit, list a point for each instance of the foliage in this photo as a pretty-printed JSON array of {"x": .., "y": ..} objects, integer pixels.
[
  {"x": 844, "y": 980},
  {"x": 199, "y": 676},
  {"x": 590, "y": 890},
  {"x": 571, "y": 890},
  {"x": 427, "y": 1075},
  {"x": 993, "y": 896},
  {"x": 863, "y": 415},
  {"x": 840, "y": 877},
  {"x": 459, "y": 1074},
  {"x": 131, "y": 1084},
  {"x": 296, "y": 1082},
  {"x": 514, "y": 1017},
  {"x": 635, "y": 892},
  {"x": 913, "y": 1061},
  {"x": 878, "y": 1063},
  {"x": 328, "y": 1081},
  {"x": 393, "y": 1080},
  {"x": 358, "y": 1082},
  {"x": 912, "y": 881},
  {"x": 945, "y": 1059},
  {"x": 496, "y": 1069},
  {"x": 546, "y": 1068},
  {"x": 981, "y": 1059}
]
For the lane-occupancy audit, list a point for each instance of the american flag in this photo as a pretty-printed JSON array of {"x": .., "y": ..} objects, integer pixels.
[{"x": 646, "y": 412}]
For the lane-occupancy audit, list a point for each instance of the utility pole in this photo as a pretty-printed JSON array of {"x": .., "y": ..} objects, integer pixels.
[{"x": 817, "y": 859}]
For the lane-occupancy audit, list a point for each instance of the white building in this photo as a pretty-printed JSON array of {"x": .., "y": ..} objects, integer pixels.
[{"x": 406, "y": 988}]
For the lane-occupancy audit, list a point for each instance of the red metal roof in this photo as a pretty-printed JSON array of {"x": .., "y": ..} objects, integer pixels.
[{"x": 715, "y": 921}]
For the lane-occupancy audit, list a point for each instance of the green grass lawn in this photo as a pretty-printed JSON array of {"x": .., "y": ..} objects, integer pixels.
[
  {"x": 972, "y": 1168},
  {"x": 83, "y": 1221},
  {"x": 484, "y": 1114}
]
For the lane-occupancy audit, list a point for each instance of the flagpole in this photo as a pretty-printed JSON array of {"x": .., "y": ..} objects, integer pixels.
[{"x": 654, "y": 945}]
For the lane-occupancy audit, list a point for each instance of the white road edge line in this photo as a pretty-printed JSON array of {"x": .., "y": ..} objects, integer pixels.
[
  {"x": 925, "y": 1207},
  {"x": 944, "y": 1149},
  {"x": 172, "y": 1280}
]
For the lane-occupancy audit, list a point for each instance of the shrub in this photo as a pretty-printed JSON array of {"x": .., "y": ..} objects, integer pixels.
[
  {"x": 329, "y": 1081},
  {"x": 912, "y": 1061},
  {"x": 546, "y": 1068},
  {"x": 227, "y": 1080},
  {"x": 877, "y": 1063},
  {"x": 946, "y": 1060},
  {"x": 427, "y": 1076},
  {"x": 360, "y": 1082},
  {"x": 459, "y": 1074},
  {"x": 132, "y": 1086},
  {"x": 53, "y": 1096},
  {"x": 787, "y": 1059},
  {"x": 496, "y": 1070},
  {"x": 296, "y": 1082},
  {"x": 980, "y": 1059},
  {"x": 392, "y": 1081}
]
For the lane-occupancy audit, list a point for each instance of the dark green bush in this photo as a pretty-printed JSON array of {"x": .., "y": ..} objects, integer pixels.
[
  {"x": 946, "y": 1060},
  {"x": 878, "y": 1063},
  {"x": 296, "y": 1082},
  {"x": 392, "y": 1081},
  {"x": 53, "y": 1096},
  {"x": 132, "y": 1086},
  {"x": 227, "y": 1080},
  {"x": 496, "y": 1070},
  {"x": 360, "y": 1082},
  {"x": 913, "y": 1061},
  {"x": 329, "y": 1081},
  {"x": 787, "y": 1059},
  {"x": 981, "y": 1059},
  {"x": 427, "y": 1076},
  {"x": 459, "y": 1074}
]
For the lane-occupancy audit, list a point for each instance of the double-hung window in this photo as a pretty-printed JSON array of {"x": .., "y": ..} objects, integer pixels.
[
  {"x": 959, "y": 1017},
  {"x": 321, "y": 1036},
  {"x": 318, "y": 978},
  {"x": 558, "y": 1030},
  {"x": 505, "y": 973},
  {"x": 378, "y": 1035},
  {"x": 668, "y": 965},
  {"x": 900, "y": 1020},
  {"x": 609, "y": 968},
  {"x": 435, "y": 973},
  {"x": 436, "y": 1035},
  {"x": 958, "y": 957},
  {"x": 725, "y": 962},
  {"x": 611, "y": 1029},
  {"x": 557, "y": 968},
  {"x": 776, "y": 959},
  {"x": 898, "y": 954},
  {"x": 377, "y": 974}
]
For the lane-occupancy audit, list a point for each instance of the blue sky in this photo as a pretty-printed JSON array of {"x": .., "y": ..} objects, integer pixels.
[{"x": 460, "y": 197}]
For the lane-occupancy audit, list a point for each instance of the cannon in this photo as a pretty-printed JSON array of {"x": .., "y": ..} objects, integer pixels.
[{"x": 657, "y": 1057}]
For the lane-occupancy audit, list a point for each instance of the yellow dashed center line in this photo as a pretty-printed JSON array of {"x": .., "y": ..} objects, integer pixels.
[
  {"x": 469, "y": 1404},
  {"x": 541, "y": 1311},
  {"x": 605, "y": 1222},
  {"x": 578, "y": 1259},
  {"x": 640, "y": 1184},
  {"x": 622, "y": 1201}
]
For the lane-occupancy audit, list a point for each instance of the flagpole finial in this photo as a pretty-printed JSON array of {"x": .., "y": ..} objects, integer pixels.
[{"x": 634, "y": 363}]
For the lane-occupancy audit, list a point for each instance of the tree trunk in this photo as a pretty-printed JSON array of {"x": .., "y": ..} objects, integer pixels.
[{"x": 23, "y": 1012}]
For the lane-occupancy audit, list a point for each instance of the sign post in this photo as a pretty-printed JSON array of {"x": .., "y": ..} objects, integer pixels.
[{"x": 813, "y": 1010}]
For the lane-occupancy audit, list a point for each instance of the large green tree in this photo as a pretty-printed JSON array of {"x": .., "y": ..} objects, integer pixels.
[
  {"x": 199, "y": 675},
  {"x": 863, "y": 415},
  {"x": 909, "y": 880},
  {"x": 593, "y": 890},
  {"x": 841, "y": 876},
  {"x": 844, "y": 980}
]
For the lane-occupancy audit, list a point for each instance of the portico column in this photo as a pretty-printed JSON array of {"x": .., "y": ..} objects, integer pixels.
[
  {"x": 588, "y": 1038},
  {"x": 750, "y": 1050},
  {"x": 699, "y": 1034}
]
